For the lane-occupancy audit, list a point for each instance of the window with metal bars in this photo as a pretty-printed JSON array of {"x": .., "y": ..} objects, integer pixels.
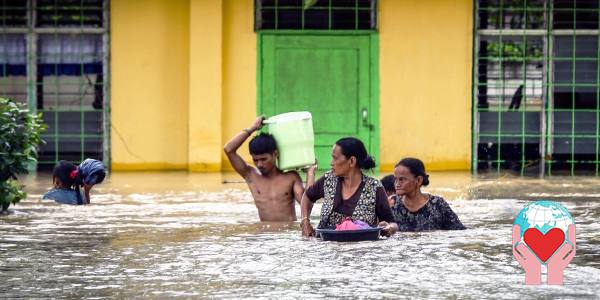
[
  {"x": 315, "y": 15},
  {"x": 54, "y": 57},
  {"x": 536, "y": 79}
]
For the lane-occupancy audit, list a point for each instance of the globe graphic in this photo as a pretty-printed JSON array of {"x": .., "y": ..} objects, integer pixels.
[{"x": 544, "y": 215}]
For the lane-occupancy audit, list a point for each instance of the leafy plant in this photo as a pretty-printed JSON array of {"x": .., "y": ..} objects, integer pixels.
[
  {"x": 514, "y": 17},
  {"x": 10, "y": 193},
  {"x": 19, "y": 139},
  {"x": 513, "y": 50}
]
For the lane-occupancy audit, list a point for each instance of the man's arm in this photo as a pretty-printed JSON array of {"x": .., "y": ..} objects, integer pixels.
[
  {"x": 298, "y": 187},
  {"x": 238, "y": 163},
  {"x": 305, "y": 209},
  {"x": 310, "y": 174},
  {"x": 310, "y": 180},
  {"x": 86, "y": 189}
]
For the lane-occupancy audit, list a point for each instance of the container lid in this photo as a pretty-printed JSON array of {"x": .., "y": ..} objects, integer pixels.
[{"x": 288, "y": 117}]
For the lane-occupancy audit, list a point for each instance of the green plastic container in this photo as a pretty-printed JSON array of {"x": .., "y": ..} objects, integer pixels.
[{"x": 295, "y": 139}]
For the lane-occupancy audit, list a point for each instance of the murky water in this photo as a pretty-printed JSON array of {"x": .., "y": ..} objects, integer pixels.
[{"x": 163, "y": 235}]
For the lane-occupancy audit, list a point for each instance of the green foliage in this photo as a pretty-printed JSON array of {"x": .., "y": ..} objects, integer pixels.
[
  {"x": 10, "y": 193},
  {"x": 513, "y": 51},
  {"x": 516, "y": 17},
  {"x": 19, "y": 139}
]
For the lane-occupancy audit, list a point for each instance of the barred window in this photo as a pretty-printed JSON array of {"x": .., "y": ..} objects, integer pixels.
[
  {"x": 536, "y": 106},
  {"x": 315, "y": 15},
  {"x": 53, "y": 57}
]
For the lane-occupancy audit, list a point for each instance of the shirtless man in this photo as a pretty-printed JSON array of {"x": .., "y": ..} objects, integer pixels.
[{"x": 273, "y": 191}]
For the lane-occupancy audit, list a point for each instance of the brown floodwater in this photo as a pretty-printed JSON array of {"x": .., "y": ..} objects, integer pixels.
[{"x": 174, "y": 234}]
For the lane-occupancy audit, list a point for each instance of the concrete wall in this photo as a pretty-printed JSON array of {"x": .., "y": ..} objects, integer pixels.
[
  {"x": 239, "y": 76},
  {"x": 206, "y": 85},
  {"x": 425, "y": 82},
  {"x": 149, "y": 84},
  {"x": 183, "y": 81}
]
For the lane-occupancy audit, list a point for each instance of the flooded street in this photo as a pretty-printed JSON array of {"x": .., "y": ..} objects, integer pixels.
[{"x": 173, "y": 234}]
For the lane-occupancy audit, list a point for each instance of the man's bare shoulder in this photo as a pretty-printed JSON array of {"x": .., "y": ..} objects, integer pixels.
[
  {"x": 291, "y": 174},
  {"x": 287, "y": 175},
  {"x": 252, "y": 175}
]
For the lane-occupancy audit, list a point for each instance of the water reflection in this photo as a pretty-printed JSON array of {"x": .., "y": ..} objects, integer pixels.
[{"x": 178, "y": 234}]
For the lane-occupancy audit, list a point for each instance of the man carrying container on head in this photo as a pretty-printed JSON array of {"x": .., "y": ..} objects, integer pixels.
[{"x": 273, "y": 190}]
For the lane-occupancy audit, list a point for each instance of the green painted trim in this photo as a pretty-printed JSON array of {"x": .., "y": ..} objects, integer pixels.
[
  {"x": 374, "y": 105},
  {"x": 474, "y": 86},
  {"x": 548, "y": 105},
  {"x": 315, "y": 32},
  {"x": 264, "y": 42},
  {"x": 31, "y": 59},
  {"x": 259, "y": 66}
]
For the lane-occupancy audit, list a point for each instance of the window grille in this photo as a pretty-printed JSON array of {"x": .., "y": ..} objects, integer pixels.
[
  {"x": 315, "y": 15},
  {"x": 54, "y": 57},
  {"x": 535, "y": 93}
]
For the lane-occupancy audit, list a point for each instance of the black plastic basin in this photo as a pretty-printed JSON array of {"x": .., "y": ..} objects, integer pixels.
[{"x": 371, "y": 234}]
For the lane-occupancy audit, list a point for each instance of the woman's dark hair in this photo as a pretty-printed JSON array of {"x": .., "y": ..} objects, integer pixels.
[
  {"x": 63, "y": 171},
  {"x": 262, "y": 144},
  {"x": 388, "y": 183},
  {"x": 416, "y": 167},
  {"x": 354, "y": 147},
  {"x": 67, "y": 173}
]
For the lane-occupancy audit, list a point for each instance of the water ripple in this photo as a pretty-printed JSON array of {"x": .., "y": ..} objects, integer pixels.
[{"x": 136, "y": 241}]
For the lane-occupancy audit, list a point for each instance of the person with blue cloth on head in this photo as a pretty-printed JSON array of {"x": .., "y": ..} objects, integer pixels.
[
  {"x": 67, "y": 179},
  {"x": 89, "y": 173}
]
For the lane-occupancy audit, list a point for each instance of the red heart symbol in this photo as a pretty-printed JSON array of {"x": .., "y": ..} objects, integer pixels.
[{"x": 544, "y": 245}]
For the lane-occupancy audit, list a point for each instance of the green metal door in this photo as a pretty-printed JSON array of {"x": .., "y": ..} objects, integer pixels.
[{"x": 331, "y": 76}]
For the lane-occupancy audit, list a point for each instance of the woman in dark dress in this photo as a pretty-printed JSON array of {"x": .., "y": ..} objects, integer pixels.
[
  {"x": 347, "y": 192},
  {"x": 418, "y": 211}
]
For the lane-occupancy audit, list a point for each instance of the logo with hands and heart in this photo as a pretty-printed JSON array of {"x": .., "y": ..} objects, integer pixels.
[{"x": 544, "y": 234}]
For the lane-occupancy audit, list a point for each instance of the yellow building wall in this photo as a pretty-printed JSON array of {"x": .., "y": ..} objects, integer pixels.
[
  {"x": 425, "y": 82},
  {"x": 206, "y": 85},
  {"x": 239, "y": 72},
  {"x": 149, "y": 84},
  {"x": 183, "y": 82}
]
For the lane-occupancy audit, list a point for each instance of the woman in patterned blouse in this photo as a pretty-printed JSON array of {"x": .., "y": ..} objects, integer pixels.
[
  {"x": 347, "y": 192},
  {"x": 417, "y": 211}
]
